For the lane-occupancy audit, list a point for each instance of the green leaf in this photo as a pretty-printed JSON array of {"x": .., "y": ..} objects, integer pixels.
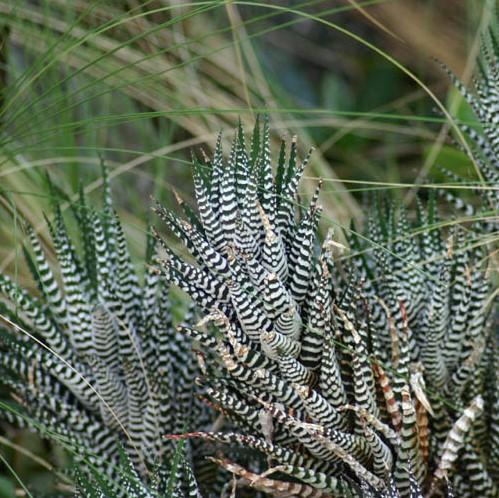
[{"x": 7, "y": 488}]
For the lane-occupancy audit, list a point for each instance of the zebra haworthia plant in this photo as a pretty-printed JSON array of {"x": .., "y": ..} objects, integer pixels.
[
  {"x": 362, "y": 375},
  {"x": 484, "y": 138},
  {"x": 366, "y": 373},
  {"x": 102, "y": 368}
]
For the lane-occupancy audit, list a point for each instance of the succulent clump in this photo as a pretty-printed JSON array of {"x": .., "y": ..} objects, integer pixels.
[
  {"x": 94, "y": 359},
  {"x": 347, "y": 373},
  {"x": 367, "y": 370}
]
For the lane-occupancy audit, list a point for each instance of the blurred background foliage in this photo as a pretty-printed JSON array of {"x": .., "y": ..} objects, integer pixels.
[{"x": 143, "y": 83}]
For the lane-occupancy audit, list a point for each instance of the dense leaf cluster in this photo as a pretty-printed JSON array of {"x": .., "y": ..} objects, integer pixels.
[
  {"x": 95, "y": 359},
  {"x": 364, "y": 375},
  {"x": 370, "y": 372}
]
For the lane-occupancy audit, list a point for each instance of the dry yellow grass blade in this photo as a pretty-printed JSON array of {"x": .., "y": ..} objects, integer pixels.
[{"x": 165, "y": 81}]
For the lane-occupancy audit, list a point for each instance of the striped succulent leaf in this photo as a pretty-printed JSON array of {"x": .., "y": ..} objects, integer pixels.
[{"x": 484, "y": 102}]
